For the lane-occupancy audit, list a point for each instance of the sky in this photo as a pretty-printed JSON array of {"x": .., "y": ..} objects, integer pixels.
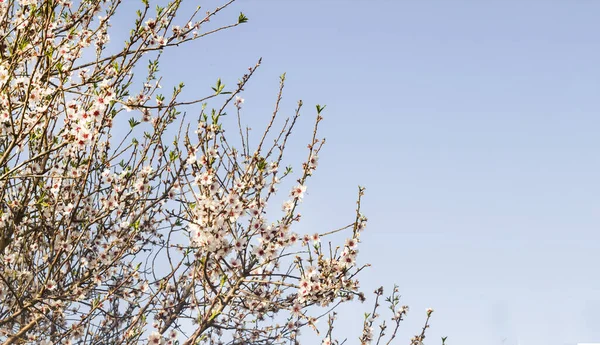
[{"x": 474, "y": 127}]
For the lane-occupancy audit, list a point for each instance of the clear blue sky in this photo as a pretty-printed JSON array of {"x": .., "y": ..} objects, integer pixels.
[{"x": 474, "y": 126}]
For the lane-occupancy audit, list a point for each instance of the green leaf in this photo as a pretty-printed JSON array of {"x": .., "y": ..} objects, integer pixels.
[
  {"x": 23, "y": 44},
  {"x": 262, "y": 164},
  {"x": 320, "y": 108},
  {"x": 133, "y": 122},
  {"x": 242, "y": 18},
  {"x": 214, "y": 314},
  {"x": 219, "y": 87}
]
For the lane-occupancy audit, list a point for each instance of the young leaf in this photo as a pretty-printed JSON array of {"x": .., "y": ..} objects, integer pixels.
[
  {"x": 242, "y": 18},
  {"x": 133, "y": 122}
]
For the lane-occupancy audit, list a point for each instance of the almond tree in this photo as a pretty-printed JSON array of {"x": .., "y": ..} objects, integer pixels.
[{"x": 122, "y": 221}]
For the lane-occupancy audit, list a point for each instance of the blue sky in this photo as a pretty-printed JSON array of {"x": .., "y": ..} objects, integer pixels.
[{"x": 474, "y": 127}]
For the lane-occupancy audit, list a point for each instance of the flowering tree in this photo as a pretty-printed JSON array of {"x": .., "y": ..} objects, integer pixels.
[{"x": 147, "y": 227}]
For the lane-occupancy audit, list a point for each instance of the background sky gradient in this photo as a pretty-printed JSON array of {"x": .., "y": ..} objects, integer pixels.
[{"x": 474, "y": 126}]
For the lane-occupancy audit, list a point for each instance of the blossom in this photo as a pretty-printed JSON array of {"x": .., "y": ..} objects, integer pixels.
[
  {"x": 297, "y": 309},
  {"x": 234, "y": 262},
  {"x": 316, "y": 238},
  {"x": 287, "y": 206},
  {"x": 351, "y": 243},
  {"x": 311, "y": 271},
  {"x": 10, "y": 258},
  {"x": 205, "y": 179},
  {"x": 313, "y": 161},
  {"x": 27, "y": 2},
  {"x": 298, "y": 192},
  {"x": 238, "y": 102},
  {"x": 50, "y": 285},
  {"x": 155, "y": 339}
]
